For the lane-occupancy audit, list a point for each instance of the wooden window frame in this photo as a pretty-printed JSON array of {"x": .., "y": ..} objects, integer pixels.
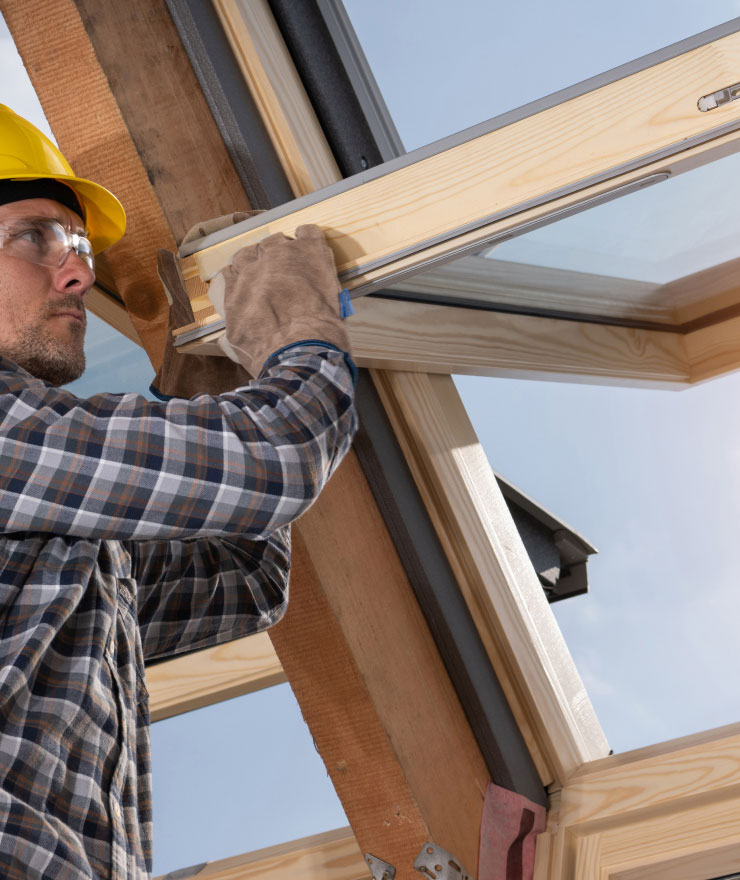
[
  {"x": 333, "y": 855},
  {"x": 664, "y": 812},
  {"x": 473, "y": 189}
]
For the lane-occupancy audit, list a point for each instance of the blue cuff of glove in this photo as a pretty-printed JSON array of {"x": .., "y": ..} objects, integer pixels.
[
  {"x": 351, "y": 365},
  {"x": 160, "y": 395}
]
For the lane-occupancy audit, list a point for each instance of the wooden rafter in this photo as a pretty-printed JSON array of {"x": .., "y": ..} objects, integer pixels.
[
  {"x": 212, "y": 675},
  {"x": 372, "y": 686},
  {"x": 333, "y": 855},
  {"x": 115, "y": 140},
  {"x": 103, "y": 151}
]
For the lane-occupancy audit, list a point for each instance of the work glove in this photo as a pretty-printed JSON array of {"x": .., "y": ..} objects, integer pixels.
[
  {"x": 276, "y": 293},
  {"x": 186, "y": 375}
]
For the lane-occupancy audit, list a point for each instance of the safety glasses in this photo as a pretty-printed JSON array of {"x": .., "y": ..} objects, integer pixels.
[{"x": 44, "y": 241}]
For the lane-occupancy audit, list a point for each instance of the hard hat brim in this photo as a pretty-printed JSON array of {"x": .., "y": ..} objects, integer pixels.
[{"x": 105, "y": 217}]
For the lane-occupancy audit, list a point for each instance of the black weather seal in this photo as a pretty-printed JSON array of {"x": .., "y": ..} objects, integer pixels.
[
  {"x": 327, "y": 85},
  {"x": 361, "y": 76}
]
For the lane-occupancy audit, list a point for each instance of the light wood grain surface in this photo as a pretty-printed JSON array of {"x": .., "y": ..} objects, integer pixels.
[
  {"x": 212, "y": 675},
  {"x": 586, "y": 136},
  {"x": 333, "y": 855},
  {"x": 282, "y": 102},
  {"x": 419, "y": 337},
  {"x": 493, "y": 570},
  {"x": 372, "y": 685},
  {"x": 668, "y": 811}
]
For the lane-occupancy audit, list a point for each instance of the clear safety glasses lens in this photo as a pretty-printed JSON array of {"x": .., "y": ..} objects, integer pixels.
[{"x": 44, "y": 241}]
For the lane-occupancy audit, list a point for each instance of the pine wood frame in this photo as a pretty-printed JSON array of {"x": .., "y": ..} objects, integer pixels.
[
  {"x": 322, "y": 570},
  {"x": 665, "y": 812},
  {"x": 212, "y": 675},
  {"x": 333, "y": 855},
  {"x": 371, "y": 221}
]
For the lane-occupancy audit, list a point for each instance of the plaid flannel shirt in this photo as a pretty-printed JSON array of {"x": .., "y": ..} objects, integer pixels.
[{"x": 132, "y": 530}]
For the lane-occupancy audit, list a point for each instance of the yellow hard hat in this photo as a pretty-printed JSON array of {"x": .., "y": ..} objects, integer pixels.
[{"x": 26, "y": 154}]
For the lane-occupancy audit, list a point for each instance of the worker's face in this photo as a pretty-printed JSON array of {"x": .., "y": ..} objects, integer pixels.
[{"x": 42, "y": 308}]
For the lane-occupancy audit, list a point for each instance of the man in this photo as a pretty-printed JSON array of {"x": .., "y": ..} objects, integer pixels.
[{"x": 132, "y": 530}]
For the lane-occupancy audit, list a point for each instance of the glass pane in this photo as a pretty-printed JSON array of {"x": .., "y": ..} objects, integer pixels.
[
  {"x": 612, "y": 261},
  {"x": 237, "y": 776},
  {"x": 658, "y": 234},
  {"x": 443, "y": 67}
]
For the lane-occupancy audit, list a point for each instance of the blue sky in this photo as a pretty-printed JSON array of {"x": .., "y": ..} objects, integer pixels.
[{"x": 652, "y": 478}]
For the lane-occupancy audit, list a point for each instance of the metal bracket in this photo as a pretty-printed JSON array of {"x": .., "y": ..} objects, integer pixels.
[
  {"x": 438, "y": 864},
  {"x": 379, "y": 869},
  {"x": 433, "y": 861}
]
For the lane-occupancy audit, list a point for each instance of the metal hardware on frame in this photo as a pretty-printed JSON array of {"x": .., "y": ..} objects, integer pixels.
[
  {"x": 433, "y": 861},
  {"x": 717, "y": 99},
  {"x": 437, "y": 864},
  {"x": 379, "y": 869}
]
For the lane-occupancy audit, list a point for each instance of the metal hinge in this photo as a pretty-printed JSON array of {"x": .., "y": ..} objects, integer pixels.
[{"x": 433, "y": 861}]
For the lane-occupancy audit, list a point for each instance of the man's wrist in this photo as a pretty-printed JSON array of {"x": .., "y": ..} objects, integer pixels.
[{"x": 320, "y": 343}]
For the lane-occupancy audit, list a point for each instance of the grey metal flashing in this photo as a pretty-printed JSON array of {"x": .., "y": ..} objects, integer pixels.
[
  {"x": 231, "y": 103},
  {"x": 501, "y": 121},
  {"x": 558, "y": 553},
  {"x": 327, "y": 85},
  {"x": 481, "y": 696},
  {"x": 533, "y": 508},
  {"x": 361, "y": 76}
]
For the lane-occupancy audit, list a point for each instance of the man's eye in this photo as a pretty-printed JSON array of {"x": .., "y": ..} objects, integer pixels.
[{"x": 30, "y": 234}]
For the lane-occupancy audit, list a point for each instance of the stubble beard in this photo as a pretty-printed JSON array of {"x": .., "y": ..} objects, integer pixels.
[{"x": 44, "y": 356}]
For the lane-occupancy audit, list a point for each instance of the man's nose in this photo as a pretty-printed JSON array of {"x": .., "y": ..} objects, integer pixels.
[{"x": 74, "y": 275}]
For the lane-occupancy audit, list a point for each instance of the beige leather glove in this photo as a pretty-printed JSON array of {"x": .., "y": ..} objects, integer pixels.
[{"x": 278, "y": 292}]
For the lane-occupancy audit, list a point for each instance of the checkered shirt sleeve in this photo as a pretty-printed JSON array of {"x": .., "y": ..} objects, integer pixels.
[{"x": 119, "y": 466}]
